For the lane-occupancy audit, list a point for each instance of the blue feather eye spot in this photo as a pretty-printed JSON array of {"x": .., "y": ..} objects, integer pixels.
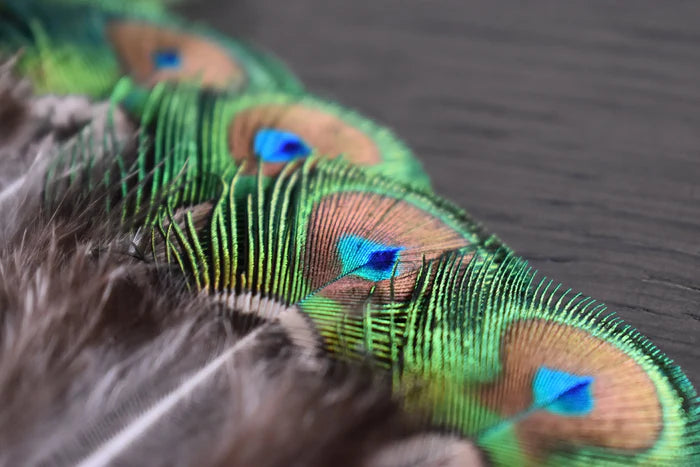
[
  {"x": 367, "y": 259},
  {"x": 273, "y": 145},
  {"x": 562, "y": 393},
  {"x": 383, "y": 260},
  {"x": 167, "y": 59}
]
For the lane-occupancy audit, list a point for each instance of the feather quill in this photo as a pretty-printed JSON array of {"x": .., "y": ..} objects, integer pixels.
[{"x": 135, "y": 430}]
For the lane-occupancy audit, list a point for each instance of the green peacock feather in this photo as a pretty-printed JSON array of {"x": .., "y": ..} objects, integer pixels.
[
  {"x": 85, "y": 47},
  {"x": 534, "y": 376},
  {"x": 195, "y": 132},
  {"x": 321, "y": 215}
]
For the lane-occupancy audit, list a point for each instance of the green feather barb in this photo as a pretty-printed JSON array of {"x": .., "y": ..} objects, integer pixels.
[
  {"x": 534, "y": 375},
  {"x": 205, "y": 132}
]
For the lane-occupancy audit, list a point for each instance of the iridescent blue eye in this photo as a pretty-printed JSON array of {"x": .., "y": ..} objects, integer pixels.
[
  {"x": 367, "y": 259},
  {"x": 167, "y": 59},
  {"x": 562, "y": 393},
  {"x": 272, "y": 145},
  {"x": 383, "y": 261}
]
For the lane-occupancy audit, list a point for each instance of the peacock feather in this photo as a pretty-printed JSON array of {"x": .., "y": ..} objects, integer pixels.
[
  {"x": 533, "y": 375},
  {"x": 192, "y": 138},
  {"x": 106, "y": 360},
  {"x": 320, "y": 228},
  {"x": 193, "y": 132},
  {"x": 85, "y": 47}
]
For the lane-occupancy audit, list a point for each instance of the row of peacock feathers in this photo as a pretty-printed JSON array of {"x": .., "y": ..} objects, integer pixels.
[{"x": 254, "y": 230}]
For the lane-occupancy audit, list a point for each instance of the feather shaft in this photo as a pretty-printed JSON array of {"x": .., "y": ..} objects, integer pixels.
[{"x": 107, "y": 452}]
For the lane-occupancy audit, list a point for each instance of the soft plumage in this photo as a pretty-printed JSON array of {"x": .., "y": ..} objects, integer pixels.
[{"x": 39, "y": 132}]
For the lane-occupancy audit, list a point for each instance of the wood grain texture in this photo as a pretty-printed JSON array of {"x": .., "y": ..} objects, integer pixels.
[{"x": 571, "y": 129}]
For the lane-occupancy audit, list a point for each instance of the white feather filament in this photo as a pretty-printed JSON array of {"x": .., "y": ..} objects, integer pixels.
[{"x": 127, "y": 436}]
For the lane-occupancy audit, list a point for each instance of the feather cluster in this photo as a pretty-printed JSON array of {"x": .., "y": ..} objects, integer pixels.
[{"x": 201, "y": 263}]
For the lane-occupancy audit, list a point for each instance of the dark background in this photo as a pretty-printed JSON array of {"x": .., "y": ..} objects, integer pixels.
[{"x": 571, "y": 129}]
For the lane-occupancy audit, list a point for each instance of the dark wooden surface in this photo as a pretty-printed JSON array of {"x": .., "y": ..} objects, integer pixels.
[{"x": 571, "y": 129}]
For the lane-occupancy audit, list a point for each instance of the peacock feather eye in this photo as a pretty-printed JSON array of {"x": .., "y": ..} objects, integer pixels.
[
  {"x": 151, "y": 53},
  {"x": 325, "y": 128},
  {"x": 323, "y": 132},
  {"x": 165, "y": 59},
  {"x": 276, "y": 146},
  {"x": 576, "y": 390},
  {"x": 363, "y": 238},
  {"x": 367, "y": 259},
  {"x": 561, "y": 392}
]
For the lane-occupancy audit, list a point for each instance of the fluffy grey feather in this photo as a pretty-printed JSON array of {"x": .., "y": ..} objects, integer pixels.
[
  {"x": 31, "y": 124},
  {"x": 35, "y": 130}
]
